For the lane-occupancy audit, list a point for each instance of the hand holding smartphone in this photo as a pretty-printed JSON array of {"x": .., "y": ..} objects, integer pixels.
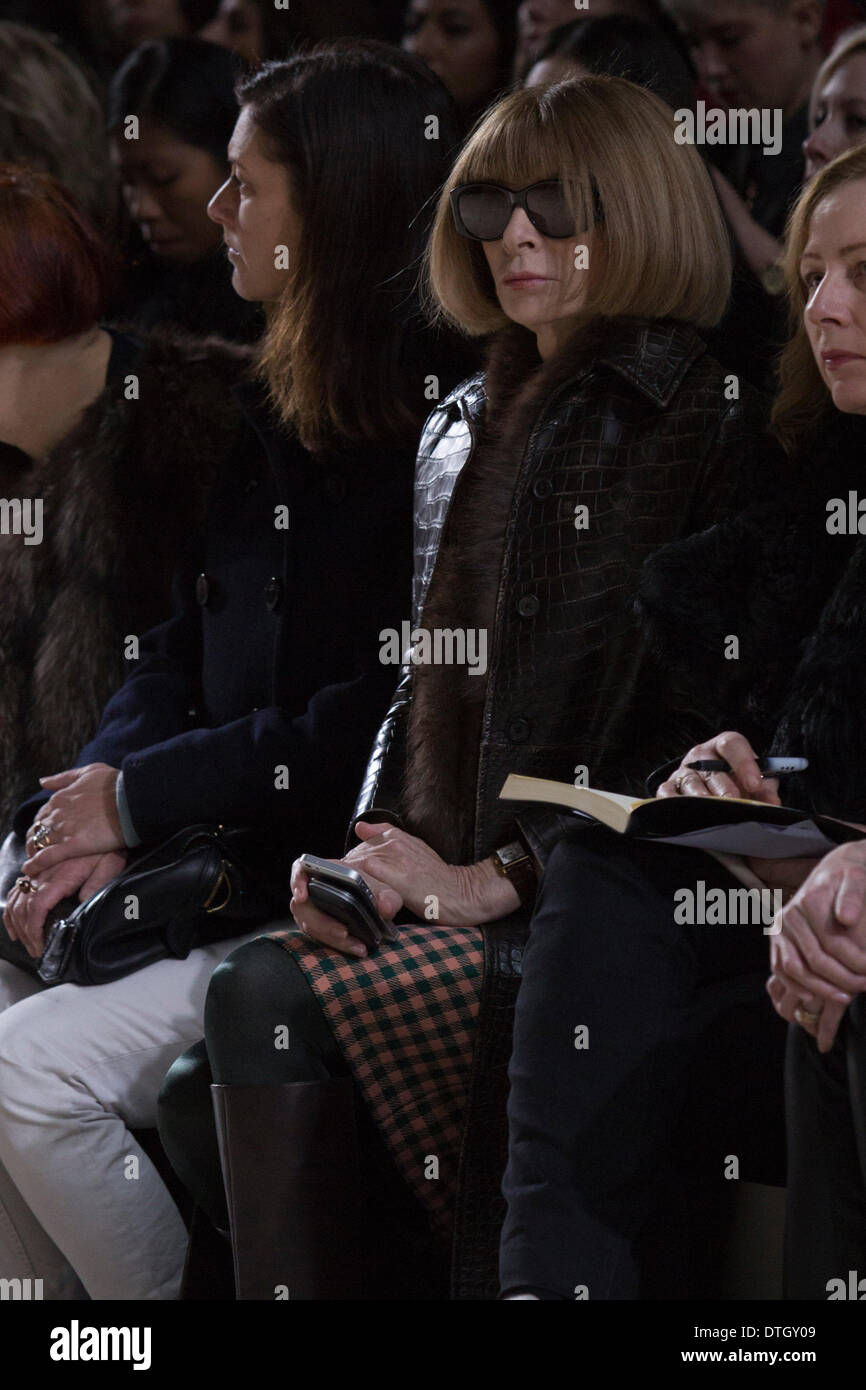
[{"x": 342, "y": 893}]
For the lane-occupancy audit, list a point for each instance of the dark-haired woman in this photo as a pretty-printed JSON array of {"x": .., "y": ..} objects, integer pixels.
[
  {"x": 469, "y": 45},
  {"x": 254, "y": 30},
  {"x": 618, "y": 45},
  {"x": 256, "y": 703},
  {"x": 599, "y": 428},
  {"x": 171, "y": 112}
]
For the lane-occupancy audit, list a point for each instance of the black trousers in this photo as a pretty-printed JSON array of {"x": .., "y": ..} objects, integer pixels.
[
  {"x": 825, "y": 1229},
  {"x": 647, "y": 1064},
  {"x": 258, "y": 999}
]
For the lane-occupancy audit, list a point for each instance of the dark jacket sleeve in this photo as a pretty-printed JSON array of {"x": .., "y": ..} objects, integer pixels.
[
  {"x": 271, "y": 764},
  {"x": 153, "y": 704}
]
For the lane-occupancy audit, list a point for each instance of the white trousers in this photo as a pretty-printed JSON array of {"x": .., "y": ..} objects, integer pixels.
[{"x": 81, "y": 1205}]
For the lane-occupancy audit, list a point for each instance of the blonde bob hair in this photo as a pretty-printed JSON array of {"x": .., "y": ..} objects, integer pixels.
[
  {"x": 611, "y": 143},
  {"x": 803, "y": 399}
]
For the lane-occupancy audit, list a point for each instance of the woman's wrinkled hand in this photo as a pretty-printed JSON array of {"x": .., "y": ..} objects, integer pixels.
[
  {"x": 461, "y": 895},
  {"x": 743, "y": 780},
  {"x": 818, "y": 952},
  {"x": 403, "y": 871},
  {"x": 327, "y": 929},
  {"x": 820, "y": 1018}
]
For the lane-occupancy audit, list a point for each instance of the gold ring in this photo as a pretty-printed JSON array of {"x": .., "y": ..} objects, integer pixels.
[
  {"x": 24, "y": 883},
  {"x": 40, "y": 835},
  {"x": 805, "y": 1015}
]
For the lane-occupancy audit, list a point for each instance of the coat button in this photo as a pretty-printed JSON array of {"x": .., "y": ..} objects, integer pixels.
[
  {"x": 335, "y": 487},
  {"x": 273, "y": 592},
  {"x": 542, "y": 487},
  {"x": 518, "y": 731},
  {"x": 528, "y": 606},
  {"x": 202, "y": 589}
]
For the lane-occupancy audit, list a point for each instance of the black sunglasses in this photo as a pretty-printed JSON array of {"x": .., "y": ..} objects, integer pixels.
[{"x": 482, "y": 211}]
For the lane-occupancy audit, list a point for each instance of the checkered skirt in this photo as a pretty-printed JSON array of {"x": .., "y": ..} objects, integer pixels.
[{"x": 405, "y": 1020}]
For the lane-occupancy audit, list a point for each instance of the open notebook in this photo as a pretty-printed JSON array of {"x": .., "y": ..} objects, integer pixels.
[{"x": 727, "y": 824}]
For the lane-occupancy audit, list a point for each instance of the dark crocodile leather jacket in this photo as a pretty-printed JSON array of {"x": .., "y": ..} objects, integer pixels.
[{"x": 644, "y": 435}]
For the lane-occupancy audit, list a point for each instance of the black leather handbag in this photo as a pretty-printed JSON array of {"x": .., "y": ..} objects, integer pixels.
[{"x": 204, "y": 884}]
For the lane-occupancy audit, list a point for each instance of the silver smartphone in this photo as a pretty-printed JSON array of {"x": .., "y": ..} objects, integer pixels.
[{"x": 342, "y": 893}]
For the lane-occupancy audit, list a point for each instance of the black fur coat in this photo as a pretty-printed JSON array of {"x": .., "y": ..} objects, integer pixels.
[{"x": 122, "y": 494}]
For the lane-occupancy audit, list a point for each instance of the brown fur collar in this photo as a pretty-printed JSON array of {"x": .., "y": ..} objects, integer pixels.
[
  {"x": 121, "y": 495},
  {"x": 447, "y": 706}
]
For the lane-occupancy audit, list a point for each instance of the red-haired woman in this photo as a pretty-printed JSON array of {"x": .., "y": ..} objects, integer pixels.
[{"x": 98, "y": 467}]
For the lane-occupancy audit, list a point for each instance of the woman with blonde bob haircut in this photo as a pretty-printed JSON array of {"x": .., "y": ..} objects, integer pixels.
[
  {"x": 589, "y": 244},
  {"x": 609, "y": 143}
]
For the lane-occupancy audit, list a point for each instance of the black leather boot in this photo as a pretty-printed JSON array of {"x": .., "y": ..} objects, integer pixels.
[{"x": 290, "y": 1165}]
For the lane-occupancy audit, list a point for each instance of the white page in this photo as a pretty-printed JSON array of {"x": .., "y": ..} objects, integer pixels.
[{"x": 761, "y": 841}]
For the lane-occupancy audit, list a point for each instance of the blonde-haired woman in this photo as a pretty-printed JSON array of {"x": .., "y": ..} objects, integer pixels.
[
  {"x": 837, "y": 122},
  {"x": 818, "y": 959},
  {"x": 576, "y": 231},
  {"x": 837, "y": 107}
]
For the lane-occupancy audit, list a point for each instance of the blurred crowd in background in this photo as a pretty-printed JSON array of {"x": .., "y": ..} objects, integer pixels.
[{"x": 73, "y": 71}]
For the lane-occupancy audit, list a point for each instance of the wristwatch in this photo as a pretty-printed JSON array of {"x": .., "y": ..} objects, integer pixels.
[{"x": 514, "y": 863}]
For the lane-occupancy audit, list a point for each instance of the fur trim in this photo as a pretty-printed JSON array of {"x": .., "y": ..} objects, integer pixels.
[{"x": 121, "y": 495}]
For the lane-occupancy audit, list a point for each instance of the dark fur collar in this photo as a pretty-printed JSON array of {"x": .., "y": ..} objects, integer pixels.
[{"x": 121, "y": 495}]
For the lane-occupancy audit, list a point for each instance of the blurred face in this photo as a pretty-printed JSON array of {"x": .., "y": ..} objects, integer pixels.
[
  {"x": 166, "y": 186},
  {"x": 237, "y": 26},
  {"x": 749, "y": 55},
  {"x": 840, "y": 115},
  {"x": 537, "y": 283},
  {"x": 255, "y": 210},
  {"x": 833, "y": 269},
  {"x": 134, "y": 21},
  {"x": 458, "y": 40},
  {"x": 536, "y": 19}
]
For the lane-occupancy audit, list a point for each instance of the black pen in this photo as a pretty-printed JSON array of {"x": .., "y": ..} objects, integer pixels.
[{"x": 773, "y": 766}]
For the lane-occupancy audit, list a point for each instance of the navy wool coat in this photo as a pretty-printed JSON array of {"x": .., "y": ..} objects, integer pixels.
[{"x": 258, "y": 700}]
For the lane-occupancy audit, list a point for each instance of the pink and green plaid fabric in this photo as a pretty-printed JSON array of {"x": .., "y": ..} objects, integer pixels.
[{"x": 405, "y": 1021}]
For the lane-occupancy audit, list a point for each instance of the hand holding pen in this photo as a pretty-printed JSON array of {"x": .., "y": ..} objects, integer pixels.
[{"x": 727, "y": 765}]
